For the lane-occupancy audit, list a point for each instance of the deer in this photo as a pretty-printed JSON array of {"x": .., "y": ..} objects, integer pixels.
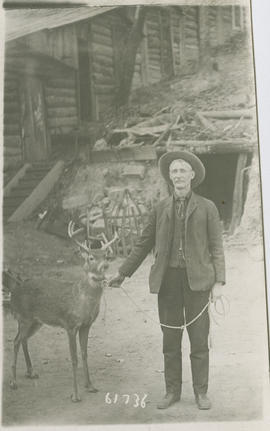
[{"x": 58, "y": 303}]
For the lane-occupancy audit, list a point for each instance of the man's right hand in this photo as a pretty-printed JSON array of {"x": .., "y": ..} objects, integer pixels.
[{"x": 117, "y": 280}]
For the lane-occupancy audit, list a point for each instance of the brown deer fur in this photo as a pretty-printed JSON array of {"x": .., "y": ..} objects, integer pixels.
[{"x": 72, "y": 306}]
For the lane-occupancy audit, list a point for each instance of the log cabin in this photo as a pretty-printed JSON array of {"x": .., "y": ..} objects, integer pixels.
[
  {"x": 62, "y": 65},
  {"x": 63, "y": 70}
]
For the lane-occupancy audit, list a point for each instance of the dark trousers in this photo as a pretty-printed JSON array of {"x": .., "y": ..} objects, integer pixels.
[{"x": 174, "y": 299}]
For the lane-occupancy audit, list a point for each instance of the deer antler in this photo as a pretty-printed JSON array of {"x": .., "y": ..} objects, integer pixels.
[
  {"x": 102, "y": 238},
  {"x": 71, "y": 234},
  {"x": 108, "y": 243}
]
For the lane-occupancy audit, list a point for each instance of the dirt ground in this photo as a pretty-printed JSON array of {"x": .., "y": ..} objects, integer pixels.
[{"x": 125, "y": 347}]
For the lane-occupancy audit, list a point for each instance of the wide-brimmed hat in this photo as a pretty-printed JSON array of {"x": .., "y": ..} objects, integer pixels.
[{"x": 194, "y": 161}]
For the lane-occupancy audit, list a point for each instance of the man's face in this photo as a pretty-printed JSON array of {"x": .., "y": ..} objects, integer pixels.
[{"x": 181, "y": 174}]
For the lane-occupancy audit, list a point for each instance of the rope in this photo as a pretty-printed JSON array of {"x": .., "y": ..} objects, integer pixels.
[{"x": 182, "y": 327}]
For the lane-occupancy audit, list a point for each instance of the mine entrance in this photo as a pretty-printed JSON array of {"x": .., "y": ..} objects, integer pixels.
[{"x": 225, "y": 183}]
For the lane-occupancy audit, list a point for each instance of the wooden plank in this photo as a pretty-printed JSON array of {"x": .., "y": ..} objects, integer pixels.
[
  {"x": 12, "y": 130},
  {"x": 12, "y": 162},
  {"x": 217, "y": 147},
  {"x": 182, "y": 43},
  {"x": 94, "y": 114},
  {"x": 102, "y": 49},
  {"x": 100, "y": 29},
  {"x": 62, "y": 112},
  {"x": 103, "y": 80},
  {"x": 60, "y": 122},
  {"x": 11, "y": 118},
  {"x": 102, "y": 69},
  {"x": 206, "y": 123},
  {"x": 102, "y": 58},
  {"x": 65, "y": 92},
  {"x": 105, "y": 89},
  {"x": 124, "y": 154},
  {"x": 172, "y": 42},
  {"x": 11, "y": 106},
  {"x": 54, "y": 130},
  {"x": 102, "y": 40},
  {"x": 15, "y": 180},
  {"x": 61, "y": 83},
  {"x": 56, "y": 101},
  {"x": 230, "y": 114},
  {"x": 38, "y": 194},
  {"x": 12, "y": 151}
]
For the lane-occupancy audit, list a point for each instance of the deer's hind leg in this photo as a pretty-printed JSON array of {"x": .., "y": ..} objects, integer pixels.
[
  {"x": 83, "y": 336},
  {"x": 16, "y": 348},
  {"x": 25, "y": 330},
  {"x": 30, "y": 373}
]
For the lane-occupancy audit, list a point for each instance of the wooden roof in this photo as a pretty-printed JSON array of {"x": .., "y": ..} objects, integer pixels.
[{"x": 21, "y": 22}]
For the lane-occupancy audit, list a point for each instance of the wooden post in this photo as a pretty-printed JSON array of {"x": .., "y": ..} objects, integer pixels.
[
  {"x": 172, "y": 41},
  {"x": 144, "y": 51},
  {"x": 220, "y": 35},
  {"x": 204, "y": 38},
  {"x": 182, "y": 43},
  {"x": 237, "y": 206},
  {"x": 162, "y": 65}
]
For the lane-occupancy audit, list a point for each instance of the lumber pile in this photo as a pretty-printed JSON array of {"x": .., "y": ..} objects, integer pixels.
[{"x": 200, "y": 131}]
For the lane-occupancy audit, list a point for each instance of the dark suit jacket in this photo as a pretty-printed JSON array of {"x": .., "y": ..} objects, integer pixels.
[{"x": 204, "y": 254}]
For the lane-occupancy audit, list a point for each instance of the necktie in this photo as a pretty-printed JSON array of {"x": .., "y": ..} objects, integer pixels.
[{"x": 180, "y": 208}]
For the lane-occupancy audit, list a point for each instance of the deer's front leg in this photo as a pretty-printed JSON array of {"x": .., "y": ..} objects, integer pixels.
[
  {"x": 83, "y": 336},
  {"x": 17, "y": 343},
  {"x": 74, "y": 359}
]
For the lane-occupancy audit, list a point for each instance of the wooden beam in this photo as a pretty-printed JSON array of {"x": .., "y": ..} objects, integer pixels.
[
  {"x": 145, "y": 60},
  {"x": 206, "y": 123},
  {"x": 38, "y": 194},
  {"x": 140, "y": 153},
  {"x": 230, "y": 114},
  {"x": 14, "y": 181},
  {"x": 172, "y": 42},
  {"x": 182, "y": 43},
  {"x": 92, "y": 61},
  {"x": 214, "y": 146}
]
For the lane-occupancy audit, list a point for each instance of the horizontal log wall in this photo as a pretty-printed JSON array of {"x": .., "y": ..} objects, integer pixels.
[
  {"x": 137, "y": 76},
  {"x": 59, "y": 43},
  {"x": 13, "y": 152},
  {"x": 61, "y": 105},
  {"x": 102, "y": 54}
]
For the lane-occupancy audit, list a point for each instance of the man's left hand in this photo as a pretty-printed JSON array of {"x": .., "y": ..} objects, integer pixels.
[{"x": 217, "y": 291}]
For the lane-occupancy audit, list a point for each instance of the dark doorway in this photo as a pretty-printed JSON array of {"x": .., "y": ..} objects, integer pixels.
[
  {"x": 37, "y": 145},
  {"x": 219, "y": 182},
  {"x": 86, "y": 113}
]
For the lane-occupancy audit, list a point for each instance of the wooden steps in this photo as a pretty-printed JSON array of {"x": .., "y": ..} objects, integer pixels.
[{"x": 28, "y": 189}]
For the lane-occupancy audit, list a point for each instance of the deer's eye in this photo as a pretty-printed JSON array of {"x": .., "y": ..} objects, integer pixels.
[{"x": 91, "y": 258}]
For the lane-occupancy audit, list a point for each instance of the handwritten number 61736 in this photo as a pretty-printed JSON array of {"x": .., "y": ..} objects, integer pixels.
[{"x": 133, "y": 398}]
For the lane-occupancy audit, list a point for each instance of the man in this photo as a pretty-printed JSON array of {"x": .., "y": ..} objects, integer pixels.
[{"x": 185, "y": 232}]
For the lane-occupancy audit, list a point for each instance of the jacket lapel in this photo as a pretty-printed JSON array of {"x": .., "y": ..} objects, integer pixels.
[
  {"x": 169, "y": 207},
  {"x": 192, "y": 204}
]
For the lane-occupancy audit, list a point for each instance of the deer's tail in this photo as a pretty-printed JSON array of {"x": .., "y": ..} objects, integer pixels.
[{"x": 10, "y": 280}]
